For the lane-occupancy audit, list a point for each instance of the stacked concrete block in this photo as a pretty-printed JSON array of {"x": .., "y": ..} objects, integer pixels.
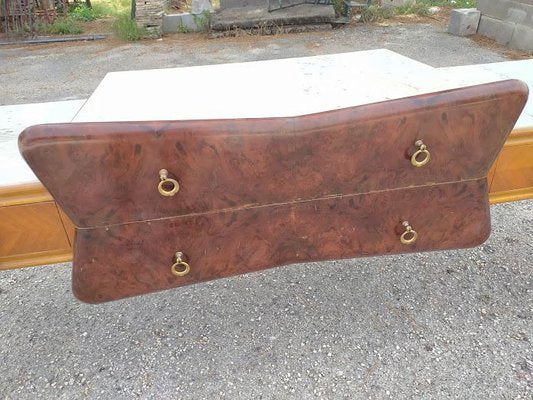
[
  {"x": 509, "y": 22},
  {"x": 241, "y": 3},
  {"x": 186, "y": 22},
  {"x": 201, "y": 6},
  {"x": 196, "y": 21},
  {"x": 464, "y": 21},
  {"x": 149, "y": 15}
]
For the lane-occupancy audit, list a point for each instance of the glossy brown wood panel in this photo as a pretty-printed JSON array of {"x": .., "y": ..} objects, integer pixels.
[
  {"x": 129, "y": 259},
  {"x": 107, "y": 173}
]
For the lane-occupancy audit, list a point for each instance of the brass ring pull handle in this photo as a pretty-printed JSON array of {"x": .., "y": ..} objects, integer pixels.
[
  {"x": 409, "y": 236},
  {"x": 422, "y": 151},
  {"x": 167, "y": 186},
  {"x": 184, "y": 268}
]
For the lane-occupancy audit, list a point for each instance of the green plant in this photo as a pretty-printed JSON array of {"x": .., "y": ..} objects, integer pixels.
[
  {"x": 63, "y": 26},
  {"x": 338, "y": 6},
  {"x": 202, "y": 21},
  {"x": 126, "y": 28},
  {"x": 420, "y": 9},
  {"x": 376, "y": 13},
  {"x": 111, "y": 7},
  {"x": 182, "y": 28},
  {"x": 84, "y": 13},
  {"x": 450, "y": 3}
]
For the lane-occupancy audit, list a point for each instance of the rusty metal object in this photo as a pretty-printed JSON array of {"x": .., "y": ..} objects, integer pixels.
[{"x": 20, "y": 16}]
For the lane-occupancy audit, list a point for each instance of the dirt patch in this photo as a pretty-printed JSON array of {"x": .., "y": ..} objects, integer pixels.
[{"x": 493, "y": 45}]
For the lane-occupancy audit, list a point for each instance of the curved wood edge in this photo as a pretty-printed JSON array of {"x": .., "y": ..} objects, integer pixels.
[
  {"x": 511, "y": 195},
  {"x": 35, "y": 259},
  {"x": 519, "y": 137},
  {"x": 28, "y": 193}
]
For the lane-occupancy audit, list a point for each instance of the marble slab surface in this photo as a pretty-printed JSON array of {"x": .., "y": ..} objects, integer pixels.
[
  {"x": 483, "y": 73},
  {"x": 13, "y": 120},
  {"x": 273, "y": 88}
]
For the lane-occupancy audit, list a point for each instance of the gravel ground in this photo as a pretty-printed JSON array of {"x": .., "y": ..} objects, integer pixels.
[
  {"x": 455, "y": 324},
  {"x": 72, "y": 71}
]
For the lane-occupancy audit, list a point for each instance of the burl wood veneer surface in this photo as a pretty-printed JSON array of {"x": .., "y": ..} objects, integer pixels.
[
  {"x": 107, "y": 173},
  {"x": 124, "y": 260}
]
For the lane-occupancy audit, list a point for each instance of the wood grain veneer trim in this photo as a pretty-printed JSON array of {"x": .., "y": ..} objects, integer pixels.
[
  {"x": 24, "y": 194},
  {"x": 511, "y": 195},
  {"x": 520, "y": 137},
  {"x": 35, "y": 259}
]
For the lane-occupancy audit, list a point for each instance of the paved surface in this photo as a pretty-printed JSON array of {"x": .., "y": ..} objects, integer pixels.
[
  {"x": 456, "y": 324},
  {"x": 72, "y": 71}
]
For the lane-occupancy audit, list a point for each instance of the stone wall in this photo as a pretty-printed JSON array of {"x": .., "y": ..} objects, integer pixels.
[
  {"x": 149, "y": 15},
  {"x": 509, "y": 22}
]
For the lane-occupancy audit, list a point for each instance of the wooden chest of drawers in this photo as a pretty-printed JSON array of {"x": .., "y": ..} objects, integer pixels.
[{"x": 169, "y": 203}]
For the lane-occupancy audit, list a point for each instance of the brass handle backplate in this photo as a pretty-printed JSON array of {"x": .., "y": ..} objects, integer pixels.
[
  {"x": 421, "y": 156},
  {"x": 184, "y": 267},
  {"x": 409, "y": 236},
  {"x": 167, "y": 186}
]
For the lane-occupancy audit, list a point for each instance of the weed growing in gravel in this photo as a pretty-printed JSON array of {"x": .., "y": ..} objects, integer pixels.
[
  {"x": 182, "y": 28},
  {"x": 61, "y": 26},
  {"x": 376, "y": 13},
  {"x": 126, "y": 28},
  {"x": 419, "y": 9}
]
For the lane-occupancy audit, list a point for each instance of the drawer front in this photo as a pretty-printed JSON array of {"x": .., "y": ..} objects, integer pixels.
[
  {"x": 109, "y": 173},
  {"x": 130, "y": 259}
]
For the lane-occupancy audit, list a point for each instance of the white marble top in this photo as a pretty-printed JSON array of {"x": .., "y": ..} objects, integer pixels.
[
  {"x": 483, "y": 73},
  {"x": 274, "y": 88},
  {"x": 13, "y": 120}
]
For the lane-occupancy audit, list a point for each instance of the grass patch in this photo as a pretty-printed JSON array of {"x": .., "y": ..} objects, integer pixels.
[
  {"x": 100, "y": 9},
  {"x": 376, "y": 13},
  {"x": 84, "y": 13},
  {"x": 112, "y": 8},
  {"x": 338, "y": 6},
  {"x": 61, "y": 26},
  {"x": 420, "y": 9},
  {"x": 450, "y": 3},
  {"x": 126, "y": 28}
]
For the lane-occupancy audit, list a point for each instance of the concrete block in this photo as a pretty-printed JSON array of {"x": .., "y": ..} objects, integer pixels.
[
  {"x": 501, "y": 31},
  {"x": 201, "y": 6},
  {"x": 464, "y": 21},
  {"x": 184, "y": 22},
  {"x": 242, "y": 3},
  {"x": 528, "y": 8},
  {"x": 496, "y": 8},
  {"x": 516, "y": 15},
  {"x": 522, "y": 38}
]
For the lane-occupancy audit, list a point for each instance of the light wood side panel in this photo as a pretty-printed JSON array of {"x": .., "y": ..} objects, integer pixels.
[
  {"x": 512, "y": 178},
  {"x": 68, "y": 225},
  {"x": 32, "y": 233}
]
